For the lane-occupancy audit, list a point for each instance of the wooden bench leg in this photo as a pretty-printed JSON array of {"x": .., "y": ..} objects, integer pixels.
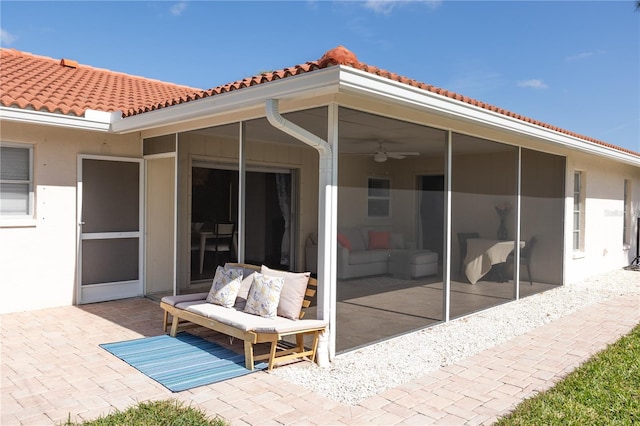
[
  {"x": 248, "y": 355},
  {"x": 174, "y": 326},
  {"x": 300, "y": 342},
  {"x": 165, "y": 322},
  {"x": 314, "y": 346},
  {"x": 272, "y": 354}
]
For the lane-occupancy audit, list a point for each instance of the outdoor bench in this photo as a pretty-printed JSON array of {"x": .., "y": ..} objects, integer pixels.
[{"x": 193, "y": 309}]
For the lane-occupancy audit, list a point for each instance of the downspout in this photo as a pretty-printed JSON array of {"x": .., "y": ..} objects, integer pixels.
[{"x": 325, "y": 215}]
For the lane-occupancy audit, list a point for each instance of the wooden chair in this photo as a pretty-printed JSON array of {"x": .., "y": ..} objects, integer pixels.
[
  {"x": 221, "y": 241},
  {"x": 462, "y": 242}
]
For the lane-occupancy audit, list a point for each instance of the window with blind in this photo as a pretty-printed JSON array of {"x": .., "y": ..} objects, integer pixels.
[{"x": 16, "y": 180}]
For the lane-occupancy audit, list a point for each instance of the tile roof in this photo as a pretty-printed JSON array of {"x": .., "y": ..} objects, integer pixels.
[
  {"x": 44, "y": 84},
  {"x": 63, "y": 86},
  {"x": 342, "y": 56}
]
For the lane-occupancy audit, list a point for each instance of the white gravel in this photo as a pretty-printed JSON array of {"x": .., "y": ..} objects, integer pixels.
[{"x": 365, "y": 372}]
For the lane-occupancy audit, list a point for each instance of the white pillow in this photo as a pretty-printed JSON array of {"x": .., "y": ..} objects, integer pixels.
[
  {"x": 264, "y": 295},
  {"x": 225, "y": 287},
  {"x": 293, "y": 291}
]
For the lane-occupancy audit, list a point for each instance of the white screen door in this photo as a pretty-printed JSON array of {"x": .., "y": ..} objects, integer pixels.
[{"x": 110, "y": 221}]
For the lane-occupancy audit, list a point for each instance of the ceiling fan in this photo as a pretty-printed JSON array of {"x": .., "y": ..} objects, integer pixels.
[{"x": 381, "y": 155}]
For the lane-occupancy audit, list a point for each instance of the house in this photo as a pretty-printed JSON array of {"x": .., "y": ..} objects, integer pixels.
[{"x": 413, "y": 204}]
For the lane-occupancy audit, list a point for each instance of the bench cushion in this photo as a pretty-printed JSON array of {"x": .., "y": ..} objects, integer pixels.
[
  {"x": 249, "y": 322},
  {"x": 174, "y": 300}
]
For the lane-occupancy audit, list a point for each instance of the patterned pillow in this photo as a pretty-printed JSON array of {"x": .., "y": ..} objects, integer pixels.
[
  {"x": 225, "y": 287},
  {"x": 264, "y": 295}
]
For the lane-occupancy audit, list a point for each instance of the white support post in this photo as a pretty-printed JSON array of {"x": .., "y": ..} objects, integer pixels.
[
  {"x": 446, "y": 265},
  {"x": 516, "y": 258},
  {"x": 327, "y": 237},
  {"x": 241, "y": 191},
  {"x": 327, "y": 216}
]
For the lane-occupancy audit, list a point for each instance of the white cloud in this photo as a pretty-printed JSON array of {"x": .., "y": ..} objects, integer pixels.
[
  {"x": 583, "y": 55},
  {"x": 178, "y": 8},
  {"x": 533, "y": 83},
  {"x": 6, "y": 38},
  {"x": 386, "y": 6}
]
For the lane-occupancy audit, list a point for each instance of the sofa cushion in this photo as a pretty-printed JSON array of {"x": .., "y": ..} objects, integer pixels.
[
  {"x": 354, "y": 235},
  {"x": 368, "y": 256},
  {"x": 397, "y": 241},
  {"x": 293, "y": 291},
  {"x": 379, "y": 240},
  {"x": 225, "y": 287},
  {"x": 344, "y": 241},
  {"x": 421, "y": 258},
  {"x": 264, "y": 295}
]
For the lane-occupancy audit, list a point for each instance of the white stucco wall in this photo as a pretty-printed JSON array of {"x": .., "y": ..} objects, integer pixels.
[
  {"x": 38, "y": 258},
  {"x": 603, "y": 229}
]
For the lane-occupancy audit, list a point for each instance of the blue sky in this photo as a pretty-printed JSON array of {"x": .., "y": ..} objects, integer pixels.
[{"x": 573, "y": 64}]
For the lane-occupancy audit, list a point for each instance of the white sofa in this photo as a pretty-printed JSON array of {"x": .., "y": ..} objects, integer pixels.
[{"x": 360, "y": 256}]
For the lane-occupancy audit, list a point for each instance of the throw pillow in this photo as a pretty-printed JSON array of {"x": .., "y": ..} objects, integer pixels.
[
  {"x": 379, "y": 240},
  {"x": 264, "y": 295},
  {"x": 293, "y": 291},
  {"x": 225, "y": 287},
  {"x": 344, "y": 241},
  {"x": 243, "y": 293}
]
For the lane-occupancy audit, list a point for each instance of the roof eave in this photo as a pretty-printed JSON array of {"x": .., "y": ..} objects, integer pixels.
[
  {"x": 92, "y": 120},
  {"x": 317, "y": 83},
  {"x": 367, "y": 84},
  {"x": 348, "y": 80}
]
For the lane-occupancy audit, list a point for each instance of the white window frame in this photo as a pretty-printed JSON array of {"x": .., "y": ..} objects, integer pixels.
[
  {"x": 578, "y": 211},
  {"x": 378, "y": 197},
  {"x": 14, "y": 219}
]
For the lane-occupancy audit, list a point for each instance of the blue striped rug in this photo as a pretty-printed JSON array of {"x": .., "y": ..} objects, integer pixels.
[{"x": 182, "y": 362}]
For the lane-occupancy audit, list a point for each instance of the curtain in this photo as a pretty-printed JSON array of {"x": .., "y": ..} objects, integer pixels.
[{"x": 285, "y": 209}]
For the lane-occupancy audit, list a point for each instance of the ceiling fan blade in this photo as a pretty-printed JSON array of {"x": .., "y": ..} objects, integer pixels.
[
  {"x": 401, "y": 155},
  {"x": 405, "y": 153}
]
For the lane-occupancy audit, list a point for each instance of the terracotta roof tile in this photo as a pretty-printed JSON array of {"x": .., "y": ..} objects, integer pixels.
[
  {"x": 63, "y": 86},
  {"x": 44, "y": 84},
  {"x": 342, "y": 56}
]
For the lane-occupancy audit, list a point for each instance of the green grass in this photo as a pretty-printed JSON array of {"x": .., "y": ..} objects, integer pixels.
[
  {"x": 603, "y": 391},
  {"x": 155, "y": 413}
]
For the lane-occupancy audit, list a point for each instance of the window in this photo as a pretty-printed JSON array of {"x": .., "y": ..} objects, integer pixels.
[
  {"x": 578, "y": 211},
  {"x": 16, "y": 180},
  {"x": 379, "y": 197},
  {"x": 626, "y": 214}
]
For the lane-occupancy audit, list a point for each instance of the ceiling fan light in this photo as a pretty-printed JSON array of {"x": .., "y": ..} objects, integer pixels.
[{"x": 380, "y": 157}]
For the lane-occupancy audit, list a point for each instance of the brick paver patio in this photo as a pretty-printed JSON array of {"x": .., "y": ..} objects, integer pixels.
[{"x": 52, "y": 368}]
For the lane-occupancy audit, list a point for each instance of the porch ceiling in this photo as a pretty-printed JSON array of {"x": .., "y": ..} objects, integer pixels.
[{"x": 360, "y": 133}]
